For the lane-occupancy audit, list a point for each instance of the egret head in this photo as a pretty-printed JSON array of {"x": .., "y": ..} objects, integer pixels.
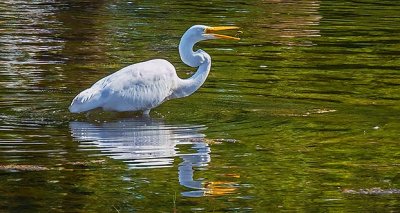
[{"x": 200, "y": 33}]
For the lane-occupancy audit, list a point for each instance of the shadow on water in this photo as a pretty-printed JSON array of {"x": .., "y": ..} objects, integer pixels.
[{"x": 145, "y": 143}]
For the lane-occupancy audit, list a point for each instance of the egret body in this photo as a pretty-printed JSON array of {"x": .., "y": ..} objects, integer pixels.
[{"x": 146, "y": 85}]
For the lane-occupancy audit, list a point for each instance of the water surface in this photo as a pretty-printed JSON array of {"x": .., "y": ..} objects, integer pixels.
[{"x": 302, "y": 114}]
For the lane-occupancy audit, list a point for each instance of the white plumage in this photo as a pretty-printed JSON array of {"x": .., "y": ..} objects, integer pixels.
[{"x": 145, "y": 85}]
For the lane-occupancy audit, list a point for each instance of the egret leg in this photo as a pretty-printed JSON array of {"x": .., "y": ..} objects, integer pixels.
[
  {"x": 87, "y": 114},
  {"x": 146, "y": 112}
]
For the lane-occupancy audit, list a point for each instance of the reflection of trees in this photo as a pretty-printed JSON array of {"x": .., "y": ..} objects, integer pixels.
[
  {"x": 146, "y": 143},
  {"x": 38, "y": 40},
  {"x": 84, "y": 32},
  {"x": 85, "y": 36},
  {"x": 282, "y": 21},
  {"x": 29, "y": 42}
]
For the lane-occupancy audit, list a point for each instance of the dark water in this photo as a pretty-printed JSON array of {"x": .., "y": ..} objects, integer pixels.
[{"x": 301, "y": 115}]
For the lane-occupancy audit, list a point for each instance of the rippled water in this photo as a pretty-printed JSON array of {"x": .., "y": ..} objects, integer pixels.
[{"x": 302, "y": 114}]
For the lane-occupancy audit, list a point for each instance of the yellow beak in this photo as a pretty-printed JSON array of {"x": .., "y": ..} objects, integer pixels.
[{"x": 211, "y": 30}]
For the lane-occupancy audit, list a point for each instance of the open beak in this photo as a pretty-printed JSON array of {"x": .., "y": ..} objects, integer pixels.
[{"x": 210, "y": 31}]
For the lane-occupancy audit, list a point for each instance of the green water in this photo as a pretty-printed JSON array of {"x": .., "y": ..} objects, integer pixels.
[{"x": 301, "y": 115}]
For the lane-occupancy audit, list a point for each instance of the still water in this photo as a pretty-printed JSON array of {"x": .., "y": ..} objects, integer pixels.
[{"x": 302, "y": 114}]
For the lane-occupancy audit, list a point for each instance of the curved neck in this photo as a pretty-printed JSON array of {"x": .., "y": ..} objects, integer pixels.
[
  {"x": 198, "y": 59},
  {"x": 186, "y": 87},
  {"x": 186, "y": 45}
]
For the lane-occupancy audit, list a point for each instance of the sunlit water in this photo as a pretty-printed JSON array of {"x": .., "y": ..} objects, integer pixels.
[{"x": 302, "y": 114}]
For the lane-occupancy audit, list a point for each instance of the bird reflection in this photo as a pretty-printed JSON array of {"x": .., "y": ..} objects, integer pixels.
[{"x": 149, "y": 143}]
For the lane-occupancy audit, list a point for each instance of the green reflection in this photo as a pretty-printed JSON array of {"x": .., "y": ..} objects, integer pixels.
[{"x": 301, "y": 114}]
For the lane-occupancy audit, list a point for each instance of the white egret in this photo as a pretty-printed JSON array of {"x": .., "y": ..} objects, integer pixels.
[{"x": 146, "y": 85}]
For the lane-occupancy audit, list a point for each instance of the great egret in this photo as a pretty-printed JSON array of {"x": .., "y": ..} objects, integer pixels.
[{"x": 145, "y": 85}]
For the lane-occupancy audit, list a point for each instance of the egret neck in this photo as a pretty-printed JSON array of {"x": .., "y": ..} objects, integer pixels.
[{"x": 199, "y": 59}]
